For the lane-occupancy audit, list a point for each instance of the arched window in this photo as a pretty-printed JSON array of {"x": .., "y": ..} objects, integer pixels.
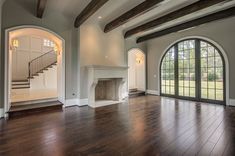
[{"x": 193, "y": 69}]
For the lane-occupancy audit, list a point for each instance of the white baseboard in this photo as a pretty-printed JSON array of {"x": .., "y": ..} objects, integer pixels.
[
  {"x": 76, "y": 102},
  {"x": 1, "y": 112},
  {"x": 232, "y": 102},
  {"x": 153, "y": 92},
  {"x": 82, "y": 102}
]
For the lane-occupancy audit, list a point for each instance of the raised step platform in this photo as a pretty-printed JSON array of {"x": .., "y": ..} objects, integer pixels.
[
  {"x": 36, "y": 101},
  {"x": 30, "y": 109},
  {"x": 134, "y": 93}
]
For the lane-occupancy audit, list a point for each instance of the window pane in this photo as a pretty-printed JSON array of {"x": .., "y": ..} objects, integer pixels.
[
  {"x": 204, "y": 93},
  {"x": 218, "y": 62},
  {"x": 211, "y": 94},
  {"x": 181, "y": 91},
  {"x": 172, "y": 90},
  {"x": 192, "y": 92},
  {"x": 219, "y": 95},
  {"x": 186, "y": 91}
]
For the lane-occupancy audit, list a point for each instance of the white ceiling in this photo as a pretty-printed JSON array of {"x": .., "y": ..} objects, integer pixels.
[{"x": 70, "y": 8}]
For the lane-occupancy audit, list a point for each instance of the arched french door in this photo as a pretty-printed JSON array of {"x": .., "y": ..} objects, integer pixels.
[{"x": 193, "y": 69}]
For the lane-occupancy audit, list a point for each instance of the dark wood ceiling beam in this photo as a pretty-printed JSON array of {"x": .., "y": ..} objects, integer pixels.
[
  {"x": 197, "y": 6},
  {"x": 206, "y": 19},
  {"x": 41, "y": 5},
  {"x": 90, "y": 9},
  {"x": 131, "y": 14}
]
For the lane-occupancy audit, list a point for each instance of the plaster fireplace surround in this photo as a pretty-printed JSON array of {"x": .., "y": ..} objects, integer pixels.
[{"x": 107, "y": 85}]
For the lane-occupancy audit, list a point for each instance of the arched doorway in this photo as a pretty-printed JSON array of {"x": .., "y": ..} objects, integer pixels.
[
  {"x": 136, "y": 71},
  {"x": 194, "y": 69},
  {"x": 30, "y": 46}
]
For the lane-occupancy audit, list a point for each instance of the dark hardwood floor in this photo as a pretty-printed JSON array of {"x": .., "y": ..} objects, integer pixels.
[{"x": 148, "y": 125}]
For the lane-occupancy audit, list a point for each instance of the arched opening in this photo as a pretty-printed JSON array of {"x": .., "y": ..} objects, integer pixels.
[
  {"x": 194, "y": 69},
  {"x": 34, "y": 65},
  {"x": 136, "y": 71}
]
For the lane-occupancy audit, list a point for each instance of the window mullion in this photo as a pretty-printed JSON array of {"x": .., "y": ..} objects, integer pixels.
[
  {"x": 198, "y": 69},
  {"x": 176, "y": 71}
]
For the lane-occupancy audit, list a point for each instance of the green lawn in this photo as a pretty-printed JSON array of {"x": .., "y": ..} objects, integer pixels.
[{"x": 214, "y": 91}]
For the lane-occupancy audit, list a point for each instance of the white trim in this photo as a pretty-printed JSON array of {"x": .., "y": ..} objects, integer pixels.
[
  {"x": 76, "y": 102},
  {"x": 232, "y": 102},
  {"x": 106, "y": 103},
  {"x": 82, "y": 102},
  {"x": 1, "y": 112},
  {"x": 153, "y": 92},
  {"x": 125, "y": 95},
  {"x": 71, "y": 102},
  {"x": 7, "y": 83},
  {"x": 214, "y": 43}
]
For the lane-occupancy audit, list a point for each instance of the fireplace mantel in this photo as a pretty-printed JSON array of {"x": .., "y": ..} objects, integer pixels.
[
  {"x": 98, "y": 73},
  {"x": 107, "y": 67}
]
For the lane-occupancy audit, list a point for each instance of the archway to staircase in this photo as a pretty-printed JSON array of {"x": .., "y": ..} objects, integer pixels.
[
  {"x": 136, "y": 72},
  {"x": 34, "y": 65}
]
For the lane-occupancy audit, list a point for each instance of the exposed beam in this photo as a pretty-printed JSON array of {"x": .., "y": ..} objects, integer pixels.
[
  {"x": 197, "y": 6},
  {"x": 41, "y": 7},
  {"x": 206, "y": 19},
  {"x": 133, "y": 13},
  {"x": 90, "y": 9}
]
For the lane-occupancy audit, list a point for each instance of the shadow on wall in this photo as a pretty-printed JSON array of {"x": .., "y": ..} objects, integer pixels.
[{"x": 27, "y": 6}]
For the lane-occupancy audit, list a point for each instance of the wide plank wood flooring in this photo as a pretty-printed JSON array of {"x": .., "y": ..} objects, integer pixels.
[{"x": 146, "y": 126}]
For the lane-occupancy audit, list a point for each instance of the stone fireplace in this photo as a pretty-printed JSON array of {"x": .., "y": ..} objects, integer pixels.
[{"x": 106, "y": 85}]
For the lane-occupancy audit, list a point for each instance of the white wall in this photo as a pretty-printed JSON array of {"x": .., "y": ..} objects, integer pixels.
[
  {"x": 45, "y": 80},
  {"x": 98, "y": 48},
  {"x": 132, "y": 70},
  {"x": 30, "y": 47},
  {"x": 1, "y": 88},
  {"x": 136, "y": 71}
]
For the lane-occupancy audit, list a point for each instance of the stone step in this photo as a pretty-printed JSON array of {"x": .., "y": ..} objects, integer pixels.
[
  {"x": 133, "y": 90},
  {"x": 30, "y": 102},
  {"x": 136, "y": 93},
  {"x": 23, "y": 110}
]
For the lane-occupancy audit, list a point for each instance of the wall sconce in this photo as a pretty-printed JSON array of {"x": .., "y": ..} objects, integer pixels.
[
  {"x": 56, "y": 49},
  {"x": 139, "y": 60},
  {"x": 15, "y": 44}
]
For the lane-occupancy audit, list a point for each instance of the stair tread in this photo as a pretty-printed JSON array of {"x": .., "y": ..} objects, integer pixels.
[
  {"x": 34, "y": 106},
  {"x": 133, "y": 90},
  {"x": 20, "y": 87},
  {"x": 136, "y": 92},
  {"x": 20, "y": 84},
  {"x": 35, "y": 101},
  {"x": 26, "y": 80}
]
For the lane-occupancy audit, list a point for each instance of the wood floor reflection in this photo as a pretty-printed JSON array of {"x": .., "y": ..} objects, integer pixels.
[{"x": 148, "y": 125}]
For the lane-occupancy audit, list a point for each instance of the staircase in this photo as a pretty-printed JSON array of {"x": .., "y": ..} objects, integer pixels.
[
  {"x": 36, "y": 66},
  {"x": 20, "y": 84},
  {"x": 135, "y": 92}
]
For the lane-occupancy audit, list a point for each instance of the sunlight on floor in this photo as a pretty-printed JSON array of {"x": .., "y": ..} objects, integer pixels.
[{"x": 18, "y": 95}]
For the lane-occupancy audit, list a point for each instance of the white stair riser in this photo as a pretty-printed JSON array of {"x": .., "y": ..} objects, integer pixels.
[{"x": 19, "y": 83}]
